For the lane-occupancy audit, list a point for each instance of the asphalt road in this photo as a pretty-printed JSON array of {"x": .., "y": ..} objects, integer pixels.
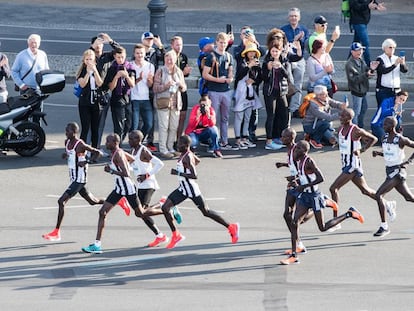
[{"x": 345, "y": 270}]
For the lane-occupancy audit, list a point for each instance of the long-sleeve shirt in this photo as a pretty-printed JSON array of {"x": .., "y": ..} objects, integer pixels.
[
  {"x": 22, "y": 64},
  {"x": 198, "y": 122}
]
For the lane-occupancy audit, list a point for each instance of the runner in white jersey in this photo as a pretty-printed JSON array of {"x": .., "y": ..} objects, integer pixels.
[
  {"x": 393, "y": 152},
  {"x": 352, "y": 141},
  {"x": 188, "y": 188},
  {"x": 75, "y": 150},
  {"x": 124, "y": 187},
  {"x": 309, "y": 177}
]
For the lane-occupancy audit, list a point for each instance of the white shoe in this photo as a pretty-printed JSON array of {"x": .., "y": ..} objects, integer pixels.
[
  {"x": 391, "y": 209},
  {"x": 334, "y": 228}
]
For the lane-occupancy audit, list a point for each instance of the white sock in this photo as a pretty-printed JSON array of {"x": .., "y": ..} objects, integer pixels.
[
  {"x": 98, "y": 243},
  {"x": 160, "y": 235},
  {"x": 384, "y": 225}
]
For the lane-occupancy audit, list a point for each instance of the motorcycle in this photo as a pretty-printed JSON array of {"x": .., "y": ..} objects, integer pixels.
[{"x": 18, "y": 132}]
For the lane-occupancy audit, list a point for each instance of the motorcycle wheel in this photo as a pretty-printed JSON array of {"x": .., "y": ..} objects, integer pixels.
[{"x": 34, "y": 131}]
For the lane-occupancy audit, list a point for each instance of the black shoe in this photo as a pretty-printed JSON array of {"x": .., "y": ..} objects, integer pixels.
[
  {"x": 295, "y": 114},
  {"x": 382, "y": 232}
]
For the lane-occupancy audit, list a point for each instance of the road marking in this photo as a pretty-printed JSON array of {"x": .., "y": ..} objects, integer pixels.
[{"x": 59, "y": 105}]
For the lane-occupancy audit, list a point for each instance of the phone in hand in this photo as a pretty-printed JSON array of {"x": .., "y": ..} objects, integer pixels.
[
  {"x": 402, "y": 53},
  {"x": 229, "y": 28}
]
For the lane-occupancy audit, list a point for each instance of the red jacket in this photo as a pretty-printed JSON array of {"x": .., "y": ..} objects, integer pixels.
[{"x": 198, "y": 122}]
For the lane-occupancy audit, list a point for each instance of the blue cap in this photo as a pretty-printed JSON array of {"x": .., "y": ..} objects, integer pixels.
[
  {"x": 356, "y": 46},
  {"x": 147, "y": 35},
  {"x": 204, "y": 41}
]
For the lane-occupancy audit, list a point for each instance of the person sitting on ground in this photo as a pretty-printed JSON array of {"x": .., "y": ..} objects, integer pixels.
[{"x": 317, "y": 121}]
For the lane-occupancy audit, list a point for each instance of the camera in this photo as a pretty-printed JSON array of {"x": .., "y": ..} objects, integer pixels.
[{"x": 203, "y": 109}]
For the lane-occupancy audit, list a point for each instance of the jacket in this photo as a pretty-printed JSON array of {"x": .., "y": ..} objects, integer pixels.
[
  {"x": 357, "y": 76},
  {"x": 318, "y": 110},
  {"x": 198, "y": 122},
  {"x": 284, "y": 77}
]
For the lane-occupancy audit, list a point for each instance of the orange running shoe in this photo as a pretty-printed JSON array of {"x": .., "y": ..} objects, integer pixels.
[
  {"x": 52, "y": 236},
  {"x": 123, "y": 203},
  {"x": 356, "y": 214},
  {"x": 159, "y": 240},
  {"x": 234, "y": 230},
  {"x": 298, "y": 251},
  {"x": 290, "y": 260},
  {"x": 176, "y": 238}
]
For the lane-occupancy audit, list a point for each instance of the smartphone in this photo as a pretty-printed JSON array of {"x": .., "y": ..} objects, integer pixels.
[
  {"x": 402, "y": 53},
  {"x": 229, "y": 28},
  {"x": 121, "y": 67}
]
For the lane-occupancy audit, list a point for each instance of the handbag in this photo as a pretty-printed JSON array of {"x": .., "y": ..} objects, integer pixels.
[
  {"x": 163, "y": 102},
  {"x": 334, "y": 87},
  {"x": 16, "y": 87},
  {"x": 77, "y": 89}
]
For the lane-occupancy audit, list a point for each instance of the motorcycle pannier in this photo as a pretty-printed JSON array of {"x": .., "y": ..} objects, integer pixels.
[{"x": 50, "y": 81}]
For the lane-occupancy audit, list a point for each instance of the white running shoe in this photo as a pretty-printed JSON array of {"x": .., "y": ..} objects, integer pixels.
[
  {"x": 391, "y": 209},
  {"x": 334, "y": 228}
]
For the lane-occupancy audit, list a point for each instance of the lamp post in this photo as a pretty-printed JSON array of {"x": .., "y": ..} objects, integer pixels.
[{"x": 157, "y": 18}]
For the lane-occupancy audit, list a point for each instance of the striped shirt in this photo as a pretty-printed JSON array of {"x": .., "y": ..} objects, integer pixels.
[{"x": 76, "y": 173}]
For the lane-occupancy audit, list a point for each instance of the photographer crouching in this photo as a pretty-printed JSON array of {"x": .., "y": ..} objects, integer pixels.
[{"x": 202, "y": 127}]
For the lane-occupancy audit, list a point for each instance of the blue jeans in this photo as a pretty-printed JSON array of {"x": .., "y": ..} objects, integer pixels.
[
  {"x": 361, "y": 35},
  {"x": 143, "y": 109},
  {"x": 208, "y": 135},
  {"x": 359, "y": 106},
  {"x": 322, "y": 131}
]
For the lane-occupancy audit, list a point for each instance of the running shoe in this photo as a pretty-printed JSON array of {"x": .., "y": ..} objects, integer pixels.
[
  {"x": 273, "y": 146},
  {"x": 123, "y": 203},
  {"x": 391, "y": 209},
  {"x": 315, "y": 144},
  {"x": 52, "y": 236},
  {"x": 228, "y": 147},
  {"x": 290, "y": 260},
  {"x": 177, "y": 215},
  {"x": 356, "y": 214},
  {"x": 241, "y": 146},
  {"x": 217, "y": 154},
  {"x": 334, "y": 228},
  {"x": 299, "y": 250},
  {"x": 151, "y": 147},
  {"x": 176, "y": 238},
  {"x": 159, "y": 240},
  {"x": 92, "y": 249},
  {"x": 381, "y": 232},
  {"x": 249, "y": 144},
  {"x": 234, "y": 230}
]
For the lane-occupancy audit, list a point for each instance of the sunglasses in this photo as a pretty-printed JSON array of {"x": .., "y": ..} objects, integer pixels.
[
  {"x": 277, "y": 37},
  {"x": 323, "y": 25}
]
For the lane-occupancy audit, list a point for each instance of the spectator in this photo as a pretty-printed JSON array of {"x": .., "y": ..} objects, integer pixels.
[
  {"x": 4, "y": 73},
  {"x": 202, "y": 126},
  {"x": 390, "y": 107},
  {"x": 206, "y": 45},
  {"x": 247, "y": 36},
  {"x": 296, "y": 32},
  {"x": 320, "y": 67},
  {"x": 317, "y": 121},
  {"x": 140, "y": 93},
  {"x": 321, "y": 26},
  {"x": 276, "y": 73},
  {"x": 357, "y": 73},
  {"x": 248, "y": 79},
  {"x": 120, "y": 79},
  {"x": 218, "y": 72},
  {"x": 154, "y": 53},
  {"x": 89, "y": 80},
  {"x": 182, "y": 63},
  {"x": 27, "y": 63},
  {"x": 103, "y": 62},
  {"x": 388, "y": 71},
  {"x": 359, "y": 19},
  {"x": 168, "y": 85}
]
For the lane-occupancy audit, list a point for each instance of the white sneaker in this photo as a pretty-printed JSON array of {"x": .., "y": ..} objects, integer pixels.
[
  {"x": 334, "y": 228},
  {"x": 391, "y": 209},
  {"x": 248, "y": 144}
]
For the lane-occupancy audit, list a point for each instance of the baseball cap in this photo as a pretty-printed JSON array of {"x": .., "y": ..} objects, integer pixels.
[
  {"x": 320, "y": 20},
  {"x": 147, "y": 35},
  {"x": 356, "y": 46},
  {"x": 204, "y": 41}
]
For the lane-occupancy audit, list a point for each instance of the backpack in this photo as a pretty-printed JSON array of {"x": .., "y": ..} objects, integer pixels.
[
  {"x": 346, "y": 11},
  {"x": 305, "y": 104}
]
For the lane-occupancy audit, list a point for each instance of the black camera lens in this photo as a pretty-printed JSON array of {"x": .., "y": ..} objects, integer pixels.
[{"x": 203, "y": 109}]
